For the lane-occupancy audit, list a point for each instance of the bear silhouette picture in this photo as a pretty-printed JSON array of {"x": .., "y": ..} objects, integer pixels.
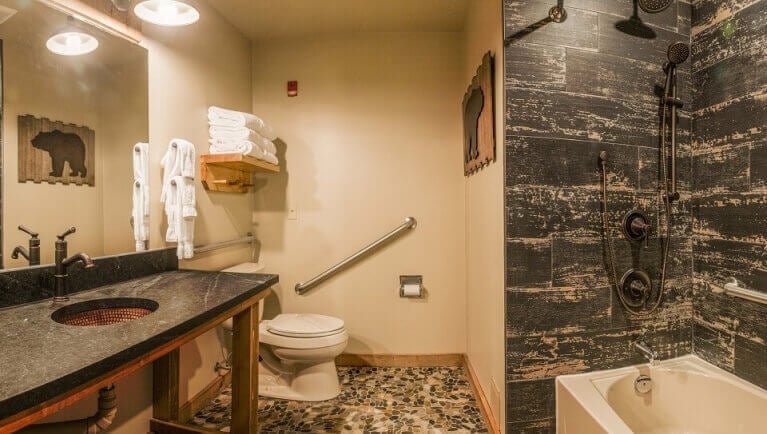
[
  {"x": 471, "y": 114},
  {"x": 62, "y": 148}
]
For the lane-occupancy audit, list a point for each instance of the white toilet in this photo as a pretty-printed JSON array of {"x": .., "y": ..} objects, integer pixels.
[{"x": 297, "y": 352}]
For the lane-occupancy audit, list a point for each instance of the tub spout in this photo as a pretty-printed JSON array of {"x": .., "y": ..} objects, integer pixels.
[{"x": 646, "y": 351}]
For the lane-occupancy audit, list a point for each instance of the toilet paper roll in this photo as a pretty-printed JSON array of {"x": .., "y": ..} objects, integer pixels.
[{"x": 411, "y": 290}]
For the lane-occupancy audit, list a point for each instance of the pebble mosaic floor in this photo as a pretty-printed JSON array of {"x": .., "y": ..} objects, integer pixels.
[{"x": 372, "y": 400}]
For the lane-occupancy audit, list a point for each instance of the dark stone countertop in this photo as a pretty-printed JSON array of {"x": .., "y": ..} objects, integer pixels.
[{"x": 40, "y": 358}]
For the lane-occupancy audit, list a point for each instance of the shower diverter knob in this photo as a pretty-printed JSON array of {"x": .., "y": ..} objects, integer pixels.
[
  {"x": 635, "y": 288},
  {"x": 636, "y": 226}
]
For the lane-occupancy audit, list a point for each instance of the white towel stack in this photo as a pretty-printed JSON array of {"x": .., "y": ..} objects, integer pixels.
[
  {"x": 178, "y": 195},
  {"x": 238, "y": 132},
  {"x": 140, "y": 211}
]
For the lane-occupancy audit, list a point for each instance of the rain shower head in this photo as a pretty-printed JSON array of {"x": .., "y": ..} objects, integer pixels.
[
  {"x": 654, "y": 6},
  {"x": 678, "y": 52}
]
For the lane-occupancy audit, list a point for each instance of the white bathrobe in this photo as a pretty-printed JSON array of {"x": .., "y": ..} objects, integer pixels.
[
  {"x": 181, "y": 202},
  {"x": 140, "y": 211},
  {"x": 178, "y": 195}
]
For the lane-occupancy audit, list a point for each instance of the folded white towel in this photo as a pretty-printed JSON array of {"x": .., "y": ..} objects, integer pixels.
[
  {"x": 221, "y": 117},
  {"x": 140, "y": 210},
  {"x": 234, "y": 147},
  {"x": 221, "y": 134},
  {"x": 181, "y": 197},
  {"x": 237, "y": 133},
  {"x": 245, "y": 148},
  {"x": 270, "y": 158}
]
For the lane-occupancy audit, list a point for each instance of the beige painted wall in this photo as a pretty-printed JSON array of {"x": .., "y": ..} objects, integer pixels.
[
  {"x": 373, "y": 137},
  {"x": 484, "y": 222},
  {"x": 104, "y": 91},
  {"x": 189, "y": 69}
]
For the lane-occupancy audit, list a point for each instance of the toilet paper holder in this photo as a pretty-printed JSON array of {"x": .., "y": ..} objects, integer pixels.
[{"x": 411, "y": 280}]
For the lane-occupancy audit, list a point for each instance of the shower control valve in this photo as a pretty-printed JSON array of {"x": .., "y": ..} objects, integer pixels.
[{"x": 636, "y": 227}]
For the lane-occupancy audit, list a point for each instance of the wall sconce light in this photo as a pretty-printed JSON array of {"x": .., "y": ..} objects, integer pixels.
[
  {"x": 170, "y": 13},
  {"x": 72, "y": 41}
]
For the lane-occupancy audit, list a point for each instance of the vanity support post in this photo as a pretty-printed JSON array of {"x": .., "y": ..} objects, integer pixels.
[
  {"x": 165, "y": 373},
  {"x": 245, "y": 371}
]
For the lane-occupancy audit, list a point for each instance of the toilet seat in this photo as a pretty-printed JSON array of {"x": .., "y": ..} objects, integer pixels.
[
  {"x": 306, "y": 343},
  {"x": 303, "y": 331},
  {"x": 304, "y": 325}
]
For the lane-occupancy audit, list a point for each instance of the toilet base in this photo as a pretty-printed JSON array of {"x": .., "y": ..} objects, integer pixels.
[{"x": 299, "y": 381}]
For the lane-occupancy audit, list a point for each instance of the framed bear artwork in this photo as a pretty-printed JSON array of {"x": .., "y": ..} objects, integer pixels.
[
  {"x": 52, "y": 151},
  {"x": 479, "y": 119}
]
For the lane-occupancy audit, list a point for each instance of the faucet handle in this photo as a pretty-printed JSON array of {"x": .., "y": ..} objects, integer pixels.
[
  {"x": 23, "y": 228},
  {"x": 66, "y": 233}
]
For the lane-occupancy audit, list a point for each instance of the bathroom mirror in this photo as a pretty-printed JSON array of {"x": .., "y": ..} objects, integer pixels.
[{"x": 74, "y": 103}]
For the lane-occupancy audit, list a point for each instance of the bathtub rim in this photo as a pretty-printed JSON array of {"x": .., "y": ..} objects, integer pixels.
[{"x": 590, "y": 395}]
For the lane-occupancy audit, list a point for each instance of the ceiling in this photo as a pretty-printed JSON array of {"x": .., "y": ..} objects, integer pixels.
[{"x": 275, "y": 19}]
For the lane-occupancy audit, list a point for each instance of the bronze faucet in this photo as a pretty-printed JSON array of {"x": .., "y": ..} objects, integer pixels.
[
  {"x": 33, "y": 254},
  {"x": 62, "y": 263}
]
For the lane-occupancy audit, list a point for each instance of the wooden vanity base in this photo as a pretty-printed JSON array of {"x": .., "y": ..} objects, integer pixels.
[
  {"x": 165, "y": 411},
  {"x": 166, "y": 378}
]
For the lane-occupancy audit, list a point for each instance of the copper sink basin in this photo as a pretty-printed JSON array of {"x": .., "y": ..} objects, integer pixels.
[{"x": 104, "y": 311}]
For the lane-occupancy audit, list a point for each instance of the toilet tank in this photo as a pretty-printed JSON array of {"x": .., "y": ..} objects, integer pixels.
[{"x": 246, "y": 268}]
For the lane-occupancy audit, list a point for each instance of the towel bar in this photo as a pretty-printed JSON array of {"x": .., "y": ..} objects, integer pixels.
[
  {"x": 733, "y": 289},
  {"x": 215, "y": 246}
]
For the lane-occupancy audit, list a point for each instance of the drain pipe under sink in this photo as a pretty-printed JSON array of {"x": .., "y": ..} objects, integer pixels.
[{"x": 98, "y": 423}]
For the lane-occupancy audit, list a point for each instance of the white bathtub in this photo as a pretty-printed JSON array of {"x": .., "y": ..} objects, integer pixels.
[{"x": 688, "y": 396}]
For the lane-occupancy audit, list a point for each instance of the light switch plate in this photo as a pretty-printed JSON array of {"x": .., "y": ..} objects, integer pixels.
[{"x": 292, "y": 213}]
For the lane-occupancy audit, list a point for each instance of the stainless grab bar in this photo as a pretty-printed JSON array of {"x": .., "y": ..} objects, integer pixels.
[
  {"x": 733, "y": 289},
  {"x": 215, "y": 246},
  {"x": 301, "y": 288}
]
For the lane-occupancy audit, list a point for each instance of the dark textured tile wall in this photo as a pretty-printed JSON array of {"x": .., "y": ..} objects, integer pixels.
[
  {"x": 573, "y": 90},
  {"x": 729, "y": 57}
]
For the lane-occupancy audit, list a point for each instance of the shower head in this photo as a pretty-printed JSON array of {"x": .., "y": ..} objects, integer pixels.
[
  {"x": 635, "y": 27},
  {"x": 678, "y": 52},
  {"x": 654, "y": 6}
]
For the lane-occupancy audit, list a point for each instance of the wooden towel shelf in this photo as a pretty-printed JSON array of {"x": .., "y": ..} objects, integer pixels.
[{"x": 231, "y": 173}]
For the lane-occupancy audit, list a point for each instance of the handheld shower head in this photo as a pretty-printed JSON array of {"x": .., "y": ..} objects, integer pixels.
[
  {"x": 654, "y": 6},
  {"x": 678, "y": 52}
]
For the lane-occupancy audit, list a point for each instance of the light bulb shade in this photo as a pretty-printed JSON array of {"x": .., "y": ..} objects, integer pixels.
[
  {"x": 169, "y": 13},
  {"x": 72, "y": 43}
]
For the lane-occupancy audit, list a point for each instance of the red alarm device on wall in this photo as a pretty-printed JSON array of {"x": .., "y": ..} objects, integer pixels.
[{"x": 292, "y": 88}]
